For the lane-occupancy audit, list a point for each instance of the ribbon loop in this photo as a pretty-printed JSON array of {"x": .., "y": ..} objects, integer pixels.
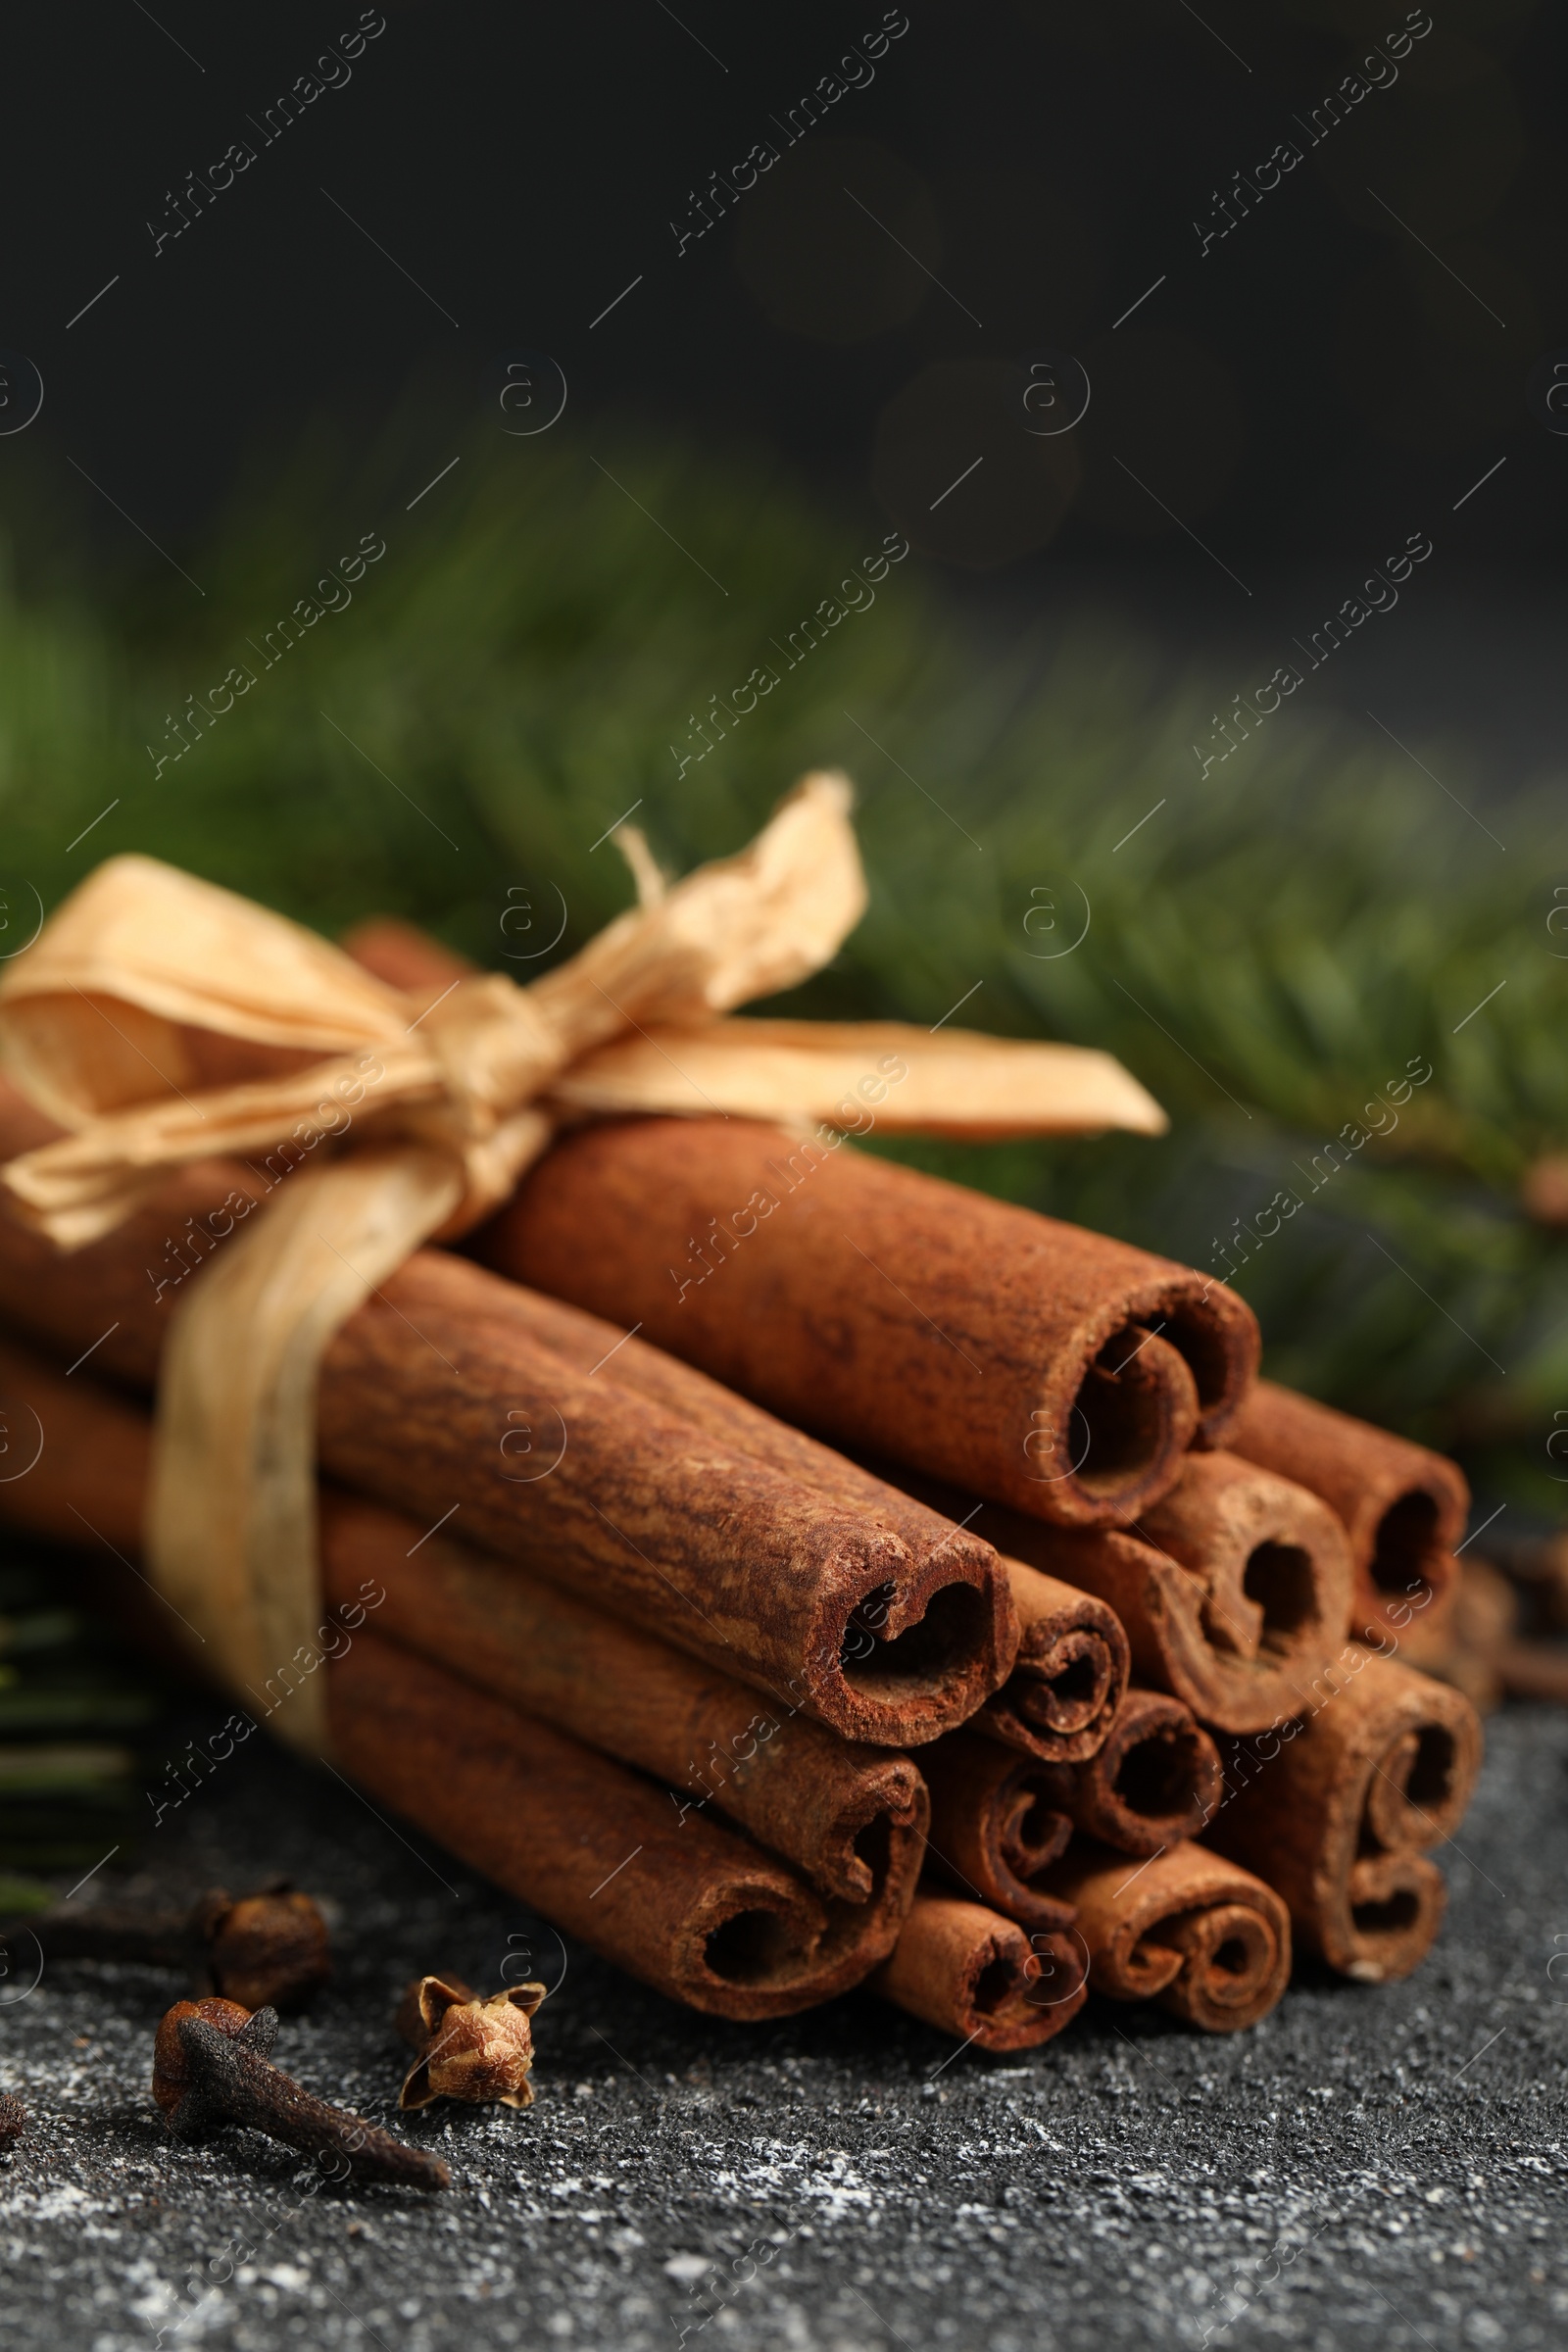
[{"x": 160, "y": 1021}]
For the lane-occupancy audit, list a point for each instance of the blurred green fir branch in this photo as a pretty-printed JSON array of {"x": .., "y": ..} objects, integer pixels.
[{"x": 549, "y": 631}]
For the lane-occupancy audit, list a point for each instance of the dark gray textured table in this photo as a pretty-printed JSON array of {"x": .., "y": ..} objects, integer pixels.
[{"x": 1369, "y": 2166}]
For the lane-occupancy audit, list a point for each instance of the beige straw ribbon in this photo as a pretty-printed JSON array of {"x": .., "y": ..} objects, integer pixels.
[{"x": 162, "y": 1020}]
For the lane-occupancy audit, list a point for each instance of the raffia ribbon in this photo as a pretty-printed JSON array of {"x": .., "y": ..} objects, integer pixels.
[{"x": 162, "y": 1020}]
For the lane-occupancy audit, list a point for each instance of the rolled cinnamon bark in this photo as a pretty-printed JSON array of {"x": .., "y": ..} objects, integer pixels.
[
  {"x": 686, "y": 1905},
  {"x": 995, "y": 1828},
  {"x": 437, "y": 1393},
  {"x": 1070, "y": 1675},
  {"x": 971, "y": 1973},
  {"x": 1025, "y": 1360},
  {"x": 1404, "y": 1508},
  {"x": 1101, "y": 1360},
  {"x": 1336, "y": 1812},
  {"x": 1156, "y": 1780},
  {"x": 852, "y": 1818},
  {"x": 1235, "y": 1590},
  {"x": 1204, "y": 1938},
  {"x": 703, "y": 1914},
  {"x": 587, "y": 1341}
]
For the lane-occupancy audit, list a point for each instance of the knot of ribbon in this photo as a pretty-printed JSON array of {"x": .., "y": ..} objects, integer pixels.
[{"x": 161, "y": 1020}]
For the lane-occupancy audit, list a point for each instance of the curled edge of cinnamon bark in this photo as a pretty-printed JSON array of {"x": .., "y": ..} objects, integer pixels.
[
  {"x": 1337, "y": 1814},
  {"x": 971, "y": 1973},
  {"x": 1070, "y": 1674},
  {"x": 854, "y": 1818},
  {"x": 1403, "y": 1506},
  {"x": 1234, "y": 1590},
  {"x": 1206, "y": 1939},
  {"x": 995, "y": 1828},
  {"x": 1156, "y": 1777}
]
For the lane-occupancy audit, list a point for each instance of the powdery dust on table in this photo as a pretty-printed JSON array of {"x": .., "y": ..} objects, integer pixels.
[{"x": 1368, "y": 2166}]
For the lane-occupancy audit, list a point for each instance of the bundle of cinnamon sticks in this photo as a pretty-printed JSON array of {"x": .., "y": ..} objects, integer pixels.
[{"x": 788, "y": 1572}]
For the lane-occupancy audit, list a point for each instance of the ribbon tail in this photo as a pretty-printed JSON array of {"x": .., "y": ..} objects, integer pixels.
[{"x": 231, "y": 1529}]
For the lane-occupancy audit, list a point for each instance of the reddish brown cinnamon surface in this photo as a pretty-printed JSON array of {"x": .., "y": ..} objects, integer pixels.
[
  {"x": 1023, "y": 1358},
  {"x": 995, "y": 1828},
  {"x": 437, "y": 1393},
  {"x": 1335, "y": 1808},
  {"x": 966, "y": 1970},
  {"x": 1204, "y": 1938},
  {"x": 1403, "y": 1506},
  {"x": 688, "y": 1906},
  {"x": 1070, "y": 1674},
  {"x": 697, "y": 1910},
  {"x": 1234, "y": 1588},
  {"x": 1156, "y": 1779},
  {"x": 1085, "y": 1422},
  {"x": 852, "y": 1817}
]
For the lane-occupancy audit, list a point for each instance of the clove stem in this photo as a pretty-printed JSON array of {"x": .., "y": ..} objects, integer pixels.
[{"x": 228, "y": 2079}]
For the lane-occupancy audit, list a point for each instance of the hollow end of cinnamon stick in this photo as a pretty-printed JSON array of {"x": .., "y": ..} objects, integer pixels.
[
  {"x": 1404, "y": 1508},
  {"x": 997, "y": 1826},
  {"x": 853, "y": 1817},
  {"x": 966, "y": 1969},
  {"x": 1254, "y": 1586},
  {"x": 1070, "y": 1673},
  {"x": 1156, "y": 1779},
  {"x": 1208, "y": 1941},
  {"x": 1395, "y": 1904},
  {"x": 912, "y": 1655},
  {"x": 1016, "y": 1356},
  {"x": 1231, "y": 1589},
  {"x": 688, "y": 1906},
  {"x": 1335, "y": 1809}
]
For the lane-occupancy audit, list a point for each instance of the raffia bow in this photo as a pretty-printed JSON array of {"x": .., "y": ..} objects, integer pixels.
[{"x": 162, "y": 1020}]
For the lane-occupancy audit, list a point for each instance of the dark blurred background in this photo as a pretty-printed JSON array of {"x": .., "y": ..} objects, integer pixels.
[{"x": 1331, "y": 374}]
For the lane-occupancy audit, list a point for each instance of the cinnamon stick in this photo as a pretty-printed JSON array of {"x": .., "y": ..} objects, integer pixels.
[
  {"x": 1095, "y": 1405},
  {"x": 1000, "y": 1822},
  {"x": 1403, "y": 1506},
  {"x": 437, "y": 1393},
  {"x": 1204, "y": 1938},
  {"x": 1022, "y": 1358},
  {"x": 995, "y": 1828},
  {"x": 971, "y": 1973},
  {"x": 1156, "y": 1779},
  {"x": 1335, "y": 1809},
  {"x": 852, "y": 1818},
  {"x": 1234, "y": 1588},
  {"x": 688, "y": 1906},
  {"x": 1070, "y": 1674},
  {"x": 674, "y": 1897}
]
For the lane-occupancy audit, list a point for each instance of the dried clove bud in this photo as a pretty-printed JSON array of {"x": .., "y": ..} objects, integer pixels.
[
  {"x": 474, "y": 2049},
  {"x": 210, "y": 2067},
  {"x": 12, "y": 2122},
  {"x": 266, "y": 1950}
]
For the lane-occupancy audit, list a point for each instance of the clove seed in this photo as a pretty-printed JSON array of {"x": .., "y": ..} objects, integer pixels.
[
  {"x": 212, "y": 2068},
  {"x": 12, "y": 2122},
  {"x": 474, "y": 2049}
]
